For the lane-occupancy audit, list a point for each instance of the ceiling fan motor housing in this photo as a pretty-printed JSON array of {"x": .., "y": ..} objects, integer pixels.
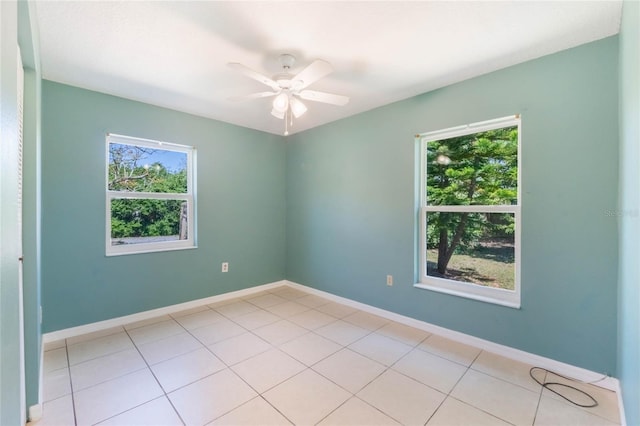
[
  {"x": 287, "y": 60},
  {"x": 284, "y": 80}
]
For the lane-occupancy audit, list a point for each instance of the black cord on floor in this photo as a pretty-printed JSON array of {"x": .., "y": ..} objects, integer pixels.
[{"x": 547, "y": 384}]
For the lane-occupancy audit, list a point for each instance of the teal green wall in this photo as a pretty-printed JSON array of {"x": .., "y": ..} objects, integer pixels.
[
  {"x": 351, "y": 210},
  {"x": 240, "y": 210},
  {"x": 629, "y": 229}
]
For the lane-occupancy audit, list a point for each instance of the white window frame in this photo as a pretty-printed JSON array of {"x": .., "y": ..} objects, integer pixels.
[
  {"x": 510, "y": 298},
  {"x": 189, "y": 197}
]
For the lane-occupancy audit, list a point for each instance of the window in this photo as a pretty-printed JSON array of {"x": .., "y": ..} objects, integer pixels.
[
  {"x": 150, "y": 196},
  {"x": 470, "y": 211}
]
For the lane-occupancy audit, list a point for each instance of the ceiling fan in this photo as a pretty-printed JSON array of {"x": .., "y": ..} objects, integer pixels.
[{"x": 288, "y": 89}]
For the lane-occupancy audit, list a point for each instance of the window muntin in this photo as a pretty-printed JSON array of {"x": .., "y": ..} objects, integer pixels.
[
  {"x": 150, "y": 196},
  {"x": 470, "y": 211}
]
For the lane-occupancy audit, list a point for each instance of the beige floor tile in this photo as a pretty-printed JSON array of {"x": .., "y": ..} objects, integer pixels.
[
  {"x": 342, "y": 332},
  {"x": 399, "y": 374},
  {"x": 55, "y": 359},
  {"x": 337, "y": 310},
  {"x": 456, "y": 413},
  {"x": 306, "y": 398},
  {"x": 256, "y": 319},
  {"x": 209, "y": 398},
  {"x": 266, "y": 300},
  {"x": 148, "y": 321},
  {"x": 267, "y": 369},
  {"x": 607, "y": 400},
  {"x": 366, "y": 320},
  {"x": 164, "y": 349},
  {"x": 108, "y": 367},
  {"x": 280, "y": 332},
  {"x": 199, "y": 319},
  {"x": 289, "y": 293},
  {"x": 255, "y": 294},
  {"x": 218, "y": 331},
  {"x": 431, "y": 370},
  {"x": 188, "y": 368},
  {"x": 450, "y": 349},
  {"x": 287, "y": 309},
  {"x": 403, "y": 333},
  {"x": 236, "y": 309},
  {"x": 108, "y": 399},
  {"x": 356, "y": 412},
  {"x": 190, "y": 311},
  {"x": 349, "y": 369},
  {"x": 158, "y": 412},
  {"x": 509, "y": 402},
  {"x": 56, "y": 344},
  {"x": 100, "y": 346},
  {"x": 255, "y": 412},
  {"x": 310, "y": 348},
  {"x": 222, "y": 302},
  {"x": 94, "y": 335},
  {"x": 55, "y": 384},
  {"x": 58, "y": 412},
  {"x": 312, "y": 301},
  {"x": 505, "y": 369},
  {"x": 157, "y": 331},
  {"x": 552, "y": 413},
  {"x": 401, "y": 398},
  {"x": 239, "y": 348},
  {"x": 312, "y": 319},
  {"x": 380, "y": 348}
]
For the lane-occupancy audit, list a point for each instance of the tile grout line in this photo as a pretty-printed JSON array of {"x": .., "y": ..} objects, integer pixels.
[
  {"x": 469, "y": 367},
  {"x": 164, "y": 392},
  {"x": 386, "y": 368},
  {"x": 448, "y": 395},
  {"x": 535, "y": 415},
  {"x": 229, "y": 367},
  {"x": 73, "y": 399}
]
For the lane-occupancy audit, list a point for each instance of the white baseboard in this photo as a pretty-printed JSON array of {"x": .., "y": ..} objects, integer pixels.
[
  {"x": 623, "y": 417},
  {"x": 35, "y": 413},
  {"x": 568, "y": 370},
  {"x": 128, "y": 319}
]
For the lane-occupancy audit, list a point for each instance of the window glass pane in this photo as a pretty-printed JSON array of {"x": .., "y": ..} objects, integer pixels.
[
  {"x": 140, "y": 221},
  {"x": 136, "y": 168},
  {"x": 476, "y": 169},
  {"x": 476, "y": 248}
]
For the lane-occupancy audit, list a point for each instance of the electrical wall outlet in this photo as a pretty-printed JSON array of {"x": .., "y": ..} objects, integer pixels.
[
  {"x": 389, "y": 280},
  {"x": 225, "y": 266}
]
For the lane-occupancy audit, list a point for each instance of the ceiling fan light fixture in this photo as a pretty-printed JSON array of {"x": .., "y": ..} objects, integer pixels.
[
  {"x": 277, "y": 114},
  {"x": 297, "y": 107},
  {"x": 281, "y": 103}
]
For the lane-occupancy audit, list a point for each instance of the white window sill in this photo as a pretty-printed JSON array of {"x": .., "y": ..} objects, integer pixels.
[
  {"x": 467, "y": 295},
  {"x": 147, "y": 250}
]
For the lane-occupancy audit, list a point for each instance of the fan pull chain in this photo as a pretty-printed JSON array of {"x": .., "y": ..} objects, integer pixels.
[{"x": 286, "y": 124}]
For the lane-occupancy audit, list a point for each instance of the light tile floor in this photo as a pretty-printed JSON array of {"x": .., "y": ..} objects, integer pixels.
[{"x": 286, "y": 357}]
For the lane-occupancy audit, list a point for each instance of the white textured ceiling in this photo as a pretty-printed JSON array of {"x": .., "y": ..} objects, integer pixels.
[{"x": 174, "y": 53}]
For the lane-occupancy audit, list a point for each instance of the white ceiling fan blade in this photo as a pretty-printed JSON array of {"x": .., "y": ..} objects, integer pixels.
[
  {"x": 252, "y": 96},
  {"x": 327, "y": 98},
  {"x": 312, "y": 73},
  {"x": 254, "y": 75}
]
